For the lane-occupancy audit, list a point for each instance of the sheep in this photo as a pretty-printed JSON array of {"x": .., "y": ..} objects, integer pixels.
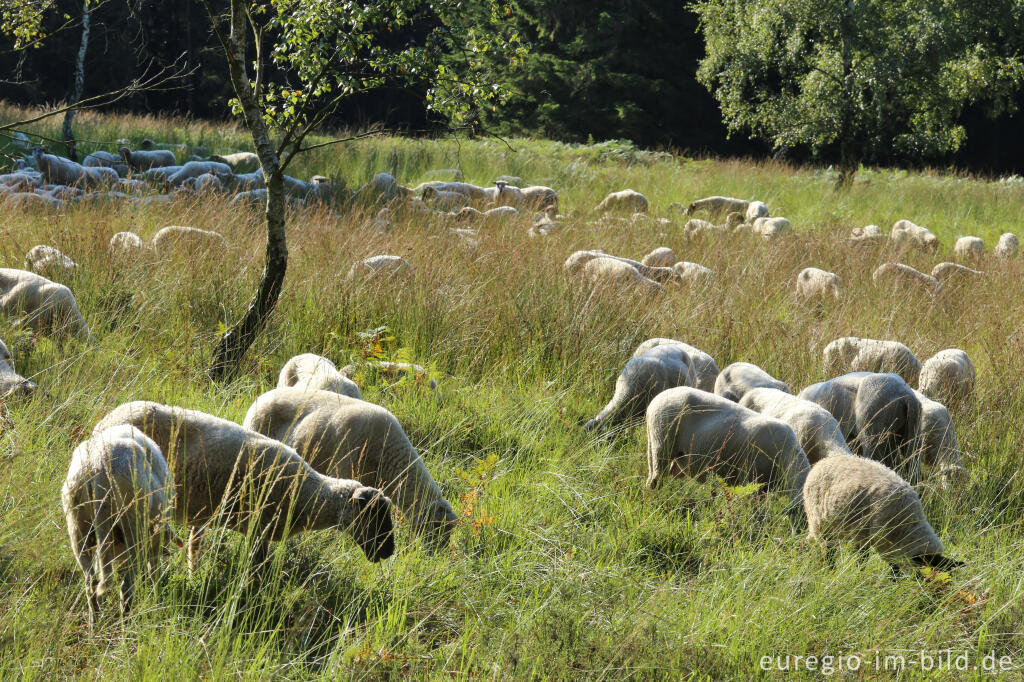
[
  {"x": 953, "y": 273},
  {"x": 662, "y": 257},
  {"x": 579, "y": 259},
  {"x": 468, "y": 191},
  {"x": 30, "y": 201},
  {"x": 49, "y": 308},
  {"x": 49, "y": 261},
  {"x": 624, "y": 201},
  {"x": 394, "y": 371},
  {"x": 193, "y": 169},
  {"x": 1007, "y": 246},
  {"x": 160, "y": 175},
  {"x": 240, "y": 162},
  {"x": 503, "y": 194},
  {"x": 863, "y": 501},
  {"x": 314, "y": 372},
  {"x": 102, "y": 159},
  {"x": 769, "y": 228},
  {"x": 853, "y": 354},
  {"x": 704, "y": 433},
  {"x": 492, "y": 215},
  {"x": 444, "y": 200},
  {"x": 693, "y": 273},
  {"x": 538, "y": 197},
  {"x": 879, "y": 415},
  {"x": 756, "y": 209},
  {"x": 904, "y": 232},
  {"x": 60, "y": 171},
  {"x": 12, "y": 383},
  {"x": 869, "y": 234},
  {"x": 127, "y": 246},
  {"x": 231, "y": 474},
  {"x": 22, "y": 182},
  {"x": 969, "y": 249},
  {"x": 544, "y": 223},
  {"x": 383, "y": 267},
  {"x": 348, "y": 438},
  {"x": 718, "y": 205},
  {"x": 184, "y": 239},
  {"x": 814, "y": 283},
  {"x": 705, "y": 368},
  {"x": 116, "y": 500},
  {"x": 695, "y": 227},
  {"x": 203, "y": 184},
  {"x": 513, "y": 180},
  {"x": 948, "y": 376},
  {"x": 816, "y": 429},
  {"x": 660, "y": 367},
  {"x": 144, "y": 160},
  {"x": 904, "y": 277},
  {"x": 940, "y": 448},
  {"x": 604, "y": 271},
  {"x": 740, "y": 377}
]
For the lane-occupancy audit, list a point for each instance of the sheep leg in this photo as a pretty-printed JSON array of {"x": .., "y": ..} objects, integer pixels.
[
  {"x": 103, "y": 528},
  {"x": 83, "y": 547},
  {"x": 656, "y": 463},
  {"x": 195, "y": 538},
  {"x": 129, "y": 565}
]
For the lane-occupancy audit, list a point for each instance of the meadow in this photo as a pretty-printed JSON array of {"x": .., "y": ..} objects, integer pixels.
[{"x": 563, "y": 566}]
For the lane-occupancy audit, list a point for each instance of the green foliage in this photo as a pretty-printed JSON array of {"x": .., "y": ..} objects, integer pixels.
[{"x": 22, "y": 19}]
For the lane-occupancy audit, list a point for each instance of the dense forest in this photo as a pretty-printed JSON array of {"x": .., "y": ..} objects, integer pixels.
[{"x": 595, "y": 70}]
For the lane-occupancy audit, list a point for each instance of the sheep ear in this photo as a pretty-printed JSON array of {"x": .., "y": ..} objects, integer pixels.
[{"x": 363, "y": 496}]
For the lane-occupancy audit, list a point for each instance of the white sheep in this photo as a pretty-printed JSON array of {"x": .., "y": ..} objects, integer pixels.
[
  {"x": 736, "y": 379},
  {"x": 869, "y": 234},
  {"x": 816, "y": 429},
  {"x": 127, "y": 246},
  {"x": 116, "y": 499},
  {"x": 603, "y": 271},
  {"x": 49, "y": 308},
  {"x": 383, "y": 267},
  {"x": 349, "y": 438},
  {"x": 940, "y": 448},
  {"x": 175, "y": 239},
  {"x": 240, "y": 162},
  {"x": 904, "y": 277},
  {"x": 879, "y": 414},
  {"x": 949, "y": 274},
  {"x": 624, "y": 201},
  {"x": 854, "y": 354},
  {"x": 1007, "y": 246},
  {"x": 102, "y": 159},
  {"x": 704, "y": 366},
  {"x": 49, "y": 261},
  {"x": 703, "y": 434},
  {"x": 756, "y": 209},
  {"x": 719, "y": 205},
  {"x": 770, "y": 228},
  {"x": 969, "y": 249},
  {"x": 695, "y": 227},
  {"x": 60, "y": 171},
  {"x": 309, "y": 371},
  {"x": 579, "y": 259},
  {"x": 905, "y": 232},
  {"x": 539, "y": 197},
  {"x": 12, "y": 383},
  {"x": 226, "y": 473},
  {"x": 146, "y": 159},
  {"x": 862, "y": 501},
  {"x": 444, "y": 200},
  {"x": 948, "y": 376},
  {"x": 693, "y": 273},
  {"x": 193, "y": 169},
  {"x": 662, "y": 257},
  {"x": 815, "y": 283}
]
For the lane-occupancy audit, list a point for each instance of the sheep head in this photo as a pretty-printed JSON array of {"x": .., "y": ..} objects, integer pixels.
[
  {"x": 436, "y": 523},
  {"x": 372, "y": 528}
]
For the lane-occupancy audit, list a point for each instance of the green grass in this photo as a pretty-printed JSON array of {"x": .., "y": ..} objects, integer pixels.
[{"x": 564, "y": 566}]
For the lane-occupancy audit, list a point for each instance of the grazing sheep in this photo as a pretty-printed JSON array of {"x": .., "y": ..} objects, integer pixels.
[
  {"x": 816, "y": 429},
  {"x": 144, "y": 160},
  {"x": 12, "y": 383},
  {"x": 756, "y": 209},
  {"x": 769, "y": 228},
  {"x": 953, "y": 273},
  {"x": 49, "y": 308},
  {"x": 814, "y": 283},
  {"x": 578, "y": 260},
  {"x": 30, "y": 201},
  {"x": 127, "y": 246},
  {"x": 314, "y": 372},
  {"x": 1007, "y": 246},
  {"x": 879, "y": 415},
  {"x": 229, "y": 474},
  {"x": 940, "y": 448},
  {"x": 469, "y": 191},
  {"x": 49, "y": 261},
  {"x": 443, "y": 200},
  {"x": 349, "y": 438},
  {"x": 904, "y": 277},
  {"x": 394, "y": 371},
  {"x": 102, "y": 159},
  {"x": 116, "y": 500},
  {"x": 740, "y": 377},
  {"x": 869, "y": 234},
  {"x": 864, "y": 502},
  {"x": 538, "y": 197},
  {"x": 382, "y": 267},
  {"x": 696, "y": 227},
  {"x": 853, "y": 354},
  {"x": 969, "y": 249},
  {"x": 193, "y": 169},
  {"x": 661, "y": 257},
  {"x": 605, "y": 271},
  {"x": 948, "y": 376},
  {"x": 207, "y": 183},
  {"x": 718, "y": 205},
  {"x": 60, "y": 171},
  {"x": 660, "y": 367},
  {"x": 240, "y": 162},
  {"x": 544, "y": 223},
  {"x": 705, "y": 368},
  {"x": 693, "y": 273},
  {"x": 624, "y": 201},
  {"x": 160, "y": 176},
  {"x": 905, "y": 232},
  {"x": 704, "y": 433},
  {"x": 175, "y": 239}
]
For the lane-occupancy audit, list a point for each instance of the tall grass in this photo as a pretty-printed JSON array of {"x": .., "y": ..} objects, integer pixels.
[{"x": 564, "y": 566}]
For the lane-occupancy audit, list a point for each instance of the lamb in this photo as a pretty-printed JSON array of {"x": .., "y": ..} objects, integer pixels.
[
  {"x": 662, "y": 257},
  {"x": 703, "y": 433},
  {"x": 953, "y": 273},
  {"x": 221, "y": 470},
  {"x": 740, "y": 377},
  {"x": 116, "y": 500},
  {"x": 969, "y": 249},
  {"x": 314, "y": 372},
  {"x": 612, "y": 271},
  {"x": 49, "y": 308},
  {"x": 869, "y": 234},
  {"x": 382, "y": 267},
  {"x": 394, "y": 371},
  {"x": 624, "y": 201},
  {"x": 816, "y": 429},
  {"x": 940, "y": 448},
  {"x": 350, "y": 438},
  {"x": 660, "y": 367},
  {"x": 705, "y": 368},
  {"x": 693, "y": 273},
  {"x": 755, "y": 210},
  {"x": 718, "y": 205},
  {"x": 1007, "y": 246},
  {"x": 60, "y": 171},
  {"x": 948, "y": 376},
  {"x": 175, "y": 239},
  {"x": 814, "y": 283},
  {"x": 127, "y": 246},
  {"x": 879, "y": 415},
  {"x": 853, "y": 354},
  {"x": 12, "y": 383},
  {"x": 144, "y": 160},
  {"x": 862, "y": 501},
  {"x": 905, "y": 232},
  {"x": 898, "y": 275},
  {"x": 240, "y": 162},
  {"x": 49, "y": 261}
]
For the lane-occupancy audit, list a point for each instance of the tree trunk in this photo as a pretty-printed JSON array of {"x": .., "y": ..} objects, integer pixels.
[
  {"x": 78, "y": 87},
  {"x": 236, "y": 341}
]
